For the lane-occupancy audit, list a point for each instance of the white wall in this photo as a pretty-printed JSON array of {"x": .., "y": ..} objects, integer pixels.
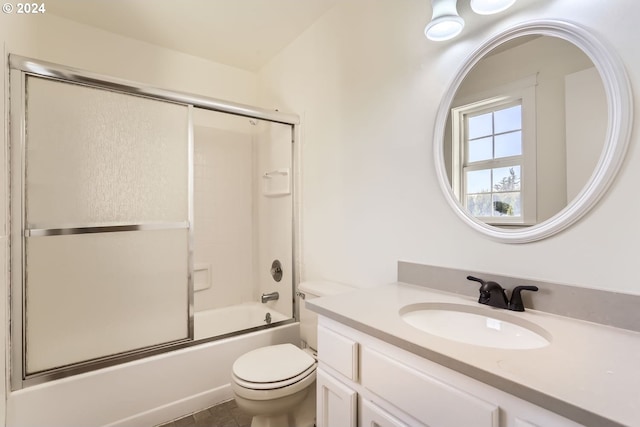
[
  {"x": 586, "y": 112},
  {"x": 367, "y": 84},
  {"x": 223, "y": 210},
  {"x": 273, "y": 219},
  {"x": 242, "y": 222},
  {"x": 50, "y": 38}
]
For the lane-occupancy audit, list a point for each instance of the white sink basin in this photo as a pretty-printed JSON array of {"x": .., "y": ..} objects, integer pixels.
[{"x": 478, "y": 326}]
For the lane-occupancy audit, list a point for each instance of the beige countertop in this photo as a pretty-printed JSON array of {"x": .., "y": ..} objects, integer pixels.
[{"x": 589, "y": 373}]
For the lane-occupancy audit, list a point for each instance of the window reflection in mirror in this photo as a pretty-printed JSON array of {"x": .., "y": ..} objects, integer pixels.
[{"x": 525, "y": 131}]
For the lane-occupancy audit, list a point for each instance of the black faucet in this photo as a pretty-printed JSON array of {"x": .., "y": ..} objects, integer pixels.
[
  {"x": 516, "y": 299},
  {"x": 494, "y": 295}
]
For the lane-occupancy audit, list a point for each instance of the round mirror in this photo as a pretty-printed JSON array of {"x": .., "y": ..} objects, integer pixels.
[{"x": 532, "y": 130}]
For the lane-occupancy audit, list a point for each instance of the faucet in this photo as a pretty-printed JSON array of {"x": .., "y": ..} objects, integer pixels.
[
  {"x": 271, "y": 296},
  {"x": 494, "y": 295},
  {"x": 516, "y": 299}
]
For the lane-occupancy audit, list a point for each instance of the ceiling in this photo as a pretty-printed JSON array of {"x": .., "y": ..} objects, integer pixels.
[{"x": 241, "y": 33}]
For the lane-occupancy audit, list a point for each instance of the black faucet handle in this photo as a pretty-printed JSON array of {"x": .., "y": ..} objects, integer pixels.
[
  {"x": 516, "y": 304},
  {"x": 491, "y": 293},
  {"x": 484, "y": 293}
]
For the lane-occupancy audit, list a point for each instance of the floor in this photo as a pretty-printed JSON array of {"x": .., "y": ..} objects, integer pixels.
[{"x": 226, "y": 414}]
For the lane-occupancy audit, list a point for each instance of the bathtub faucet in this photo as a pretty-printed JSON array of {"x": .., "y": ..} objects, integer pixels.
[{"x": 271, "y": 296}]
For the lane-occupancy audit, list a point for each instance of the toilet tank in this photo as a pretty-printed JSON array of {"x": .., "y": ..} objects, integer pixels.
[{"x": 309, "y": 319}]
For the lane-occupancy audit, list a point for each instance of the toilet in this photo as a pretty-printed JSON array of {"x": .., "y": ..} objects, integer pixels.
[{"x": 276, "y": 384}]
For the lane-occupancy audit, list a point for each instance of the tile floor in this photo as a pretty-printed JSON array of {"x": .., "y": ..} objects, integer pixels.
[{"x": 226, "y": 414}]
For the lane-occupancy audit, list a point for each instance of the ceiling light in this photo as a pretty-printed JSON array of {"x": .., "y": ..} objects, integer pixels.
[
  {"x": 445, "y": 23},
  {"x": 488, "y": 7}
]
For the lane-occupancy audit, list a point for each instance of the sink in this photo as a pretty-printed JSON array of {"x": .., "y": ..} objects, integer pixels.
[{"x": 480, "y": 326}]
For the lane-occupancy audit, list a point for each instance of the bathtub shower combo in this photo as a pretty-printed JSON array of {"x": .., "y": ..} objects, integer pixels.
[{"x": 143, "y": 221}]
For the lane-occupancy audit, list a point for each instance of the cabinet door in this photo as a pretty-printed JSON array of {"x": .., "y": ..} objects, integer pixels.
[
  {"x": 423, "y": 396},
  {"x": 371, "y": 415},
  {"x": 336, "y": 402}
]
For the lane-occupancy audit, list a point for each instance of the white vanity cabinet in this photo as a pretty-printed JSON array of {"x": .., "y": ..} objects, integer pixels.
[
  {"x": 336, "y": 378},
  {"x": 336, "y": 402},
  {"x": 367, "y": 382}
]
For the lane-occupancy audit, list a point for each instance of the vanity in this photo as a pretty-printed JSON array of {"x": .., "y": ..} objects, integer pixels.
[{"x": 377, "y": 369}]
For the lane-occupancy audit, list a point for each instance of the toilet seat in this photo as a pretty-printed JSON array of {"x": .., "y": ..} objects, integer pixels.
[
  {"x": 271, "y": 394},
  {"x": 273, "y": 367},
  {"x": 277, "y": 384},
  {"x": 279, "y": 370}
]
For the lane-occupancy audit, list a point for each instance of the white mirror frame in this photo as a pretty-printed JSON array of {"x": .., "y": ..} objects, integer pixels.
[{"x": 620, "y": 118}]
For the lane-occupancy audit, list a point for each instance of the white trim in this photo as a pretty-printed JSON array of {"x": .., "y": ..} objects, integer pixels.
[
  {"x": 507, "y": 88},
  {"x": 620, "y": 115}
]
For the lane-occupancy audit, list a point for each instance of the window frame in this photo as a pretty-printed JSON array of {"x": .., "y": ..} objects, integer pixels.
[{"x": 522, "y": 92}]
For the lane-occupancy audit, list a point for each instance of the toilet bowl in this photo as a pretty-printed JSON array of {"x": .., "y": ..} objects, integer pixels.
[
  {"x": 276, "y": 384},
  {"x": 271, "y": 382}
]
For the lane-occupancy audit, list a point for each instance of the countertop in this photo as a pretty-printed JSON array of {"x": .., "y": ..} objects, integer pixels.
[{"x": 589, "y": 373}]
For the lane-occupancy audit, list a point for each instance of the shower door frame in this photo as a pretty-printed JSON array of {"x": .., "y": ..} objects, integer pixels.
[{"x": 19, "y": 68}]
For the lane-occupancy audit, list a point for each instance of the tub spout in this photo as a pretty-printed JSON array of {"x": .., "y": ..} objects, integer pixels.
[{"x": 271, "y": 296}]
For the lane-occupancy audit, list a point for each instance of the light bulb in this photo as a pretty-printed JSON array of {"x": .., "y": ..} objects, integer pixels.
[{"x": 488, "y": 7}]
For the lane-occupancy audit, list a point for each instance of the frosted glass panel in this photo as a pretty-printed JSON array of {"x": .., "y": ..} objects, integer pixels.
[
  {"x": 93, "y": 295},
  {"x": 94, "y": 156}
]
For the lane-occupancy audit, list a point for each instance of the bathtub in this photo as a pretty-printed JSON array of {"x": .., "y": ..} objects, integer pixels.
[
  {"x": 155, "y": 389},
  {"x": 226, "y": 320}
]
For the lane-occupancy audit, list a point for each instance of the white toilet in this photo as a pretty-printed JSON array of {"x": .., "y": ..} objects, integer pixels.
[{"x": 276, "y": 384}]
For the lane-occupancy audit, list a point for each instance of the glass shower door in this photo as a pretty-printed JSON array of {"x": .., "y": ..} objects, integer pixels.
[
  {"x": 243, "y": 223},
  {"x": 106, "y": 223}
]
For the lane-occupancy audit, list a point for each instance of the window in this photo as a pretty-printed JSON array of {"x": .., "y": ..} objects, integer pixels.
[{"x": 493, "y": 171}]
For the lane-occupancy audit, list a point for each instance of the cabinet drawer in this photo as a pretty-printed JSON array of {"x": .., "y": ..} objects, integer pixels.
[
  {"x": 422, "y": 396},
  {"x": 371, "y": 415},
  {"x": 338, "y": 352}
]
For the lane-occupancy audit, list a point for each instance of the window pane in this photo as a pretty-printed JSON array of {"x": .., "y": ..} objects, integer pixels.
[
  {"x": 506, "y": 179},
  {"x": 480, "y": 149},
  {"x": 508, "y": 144},
  {"x": 480, "y": 126},
  {"x": 508, "y": 119},
  {"x": 479, "y": 181},
  {"x": 506, "y": 204},
  {"x": 479, "y": 204}
]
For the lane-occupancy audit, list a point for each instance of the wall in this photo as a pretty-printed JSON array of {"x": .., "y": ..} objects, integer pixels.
[
  {"x": 243, "y": 220},
  {"x": 367, "y": 84},
  {"x": 139, "y": 386},
  {"x": 223, "y": 210},
  {"x": 586, "y": 106},
  {"x": 273, "y": 219}
]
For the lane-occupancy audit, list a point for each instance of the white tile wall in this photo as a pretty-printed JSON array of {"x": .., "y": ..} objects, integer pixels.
[{"x": 223, "y": 215}]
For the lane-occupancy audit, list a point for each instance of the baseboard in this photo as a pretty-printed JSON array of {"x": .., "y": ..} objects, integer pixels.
[{"x": 177, "y": 409}]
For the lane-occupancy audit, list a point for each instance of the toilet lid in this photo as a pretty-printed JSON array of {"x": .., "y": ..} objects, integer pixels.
[{"x": 272, "y": 364}]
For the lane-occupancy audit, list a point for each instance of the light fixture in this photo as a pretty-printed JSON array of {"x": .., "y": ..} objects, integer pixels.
[
  {"x": 489, "y": 7},
  {"x": 445, "y": 23}
]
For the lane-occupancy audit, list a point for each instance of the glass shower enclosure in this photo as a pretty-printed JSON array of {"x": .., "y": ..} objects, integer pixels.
[{"x": 143, "y": 220}]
